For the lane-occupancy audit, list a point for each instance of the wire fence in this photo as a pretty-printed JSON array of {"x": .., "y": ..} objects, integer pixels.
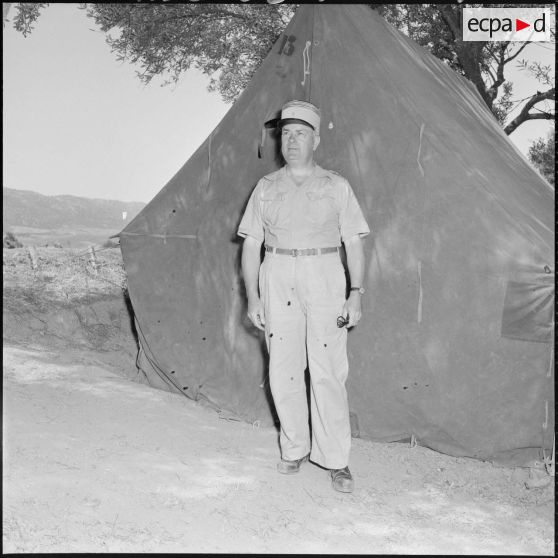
[{"x": 61, "y": 274}]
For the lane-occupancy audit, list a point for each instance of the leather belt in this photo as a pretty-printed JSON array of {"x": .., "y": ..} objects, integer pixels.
[{"x": 301, "y": 251}]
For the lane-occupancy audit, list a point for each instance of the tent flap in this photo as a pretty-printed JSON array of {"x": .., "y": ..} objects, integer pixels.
[{"x": 529, "y": 311}]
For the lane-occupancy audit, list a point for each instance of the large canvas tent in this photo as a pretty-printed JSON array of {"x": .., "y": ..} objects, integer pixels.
[{"x": 455, "y": 345}]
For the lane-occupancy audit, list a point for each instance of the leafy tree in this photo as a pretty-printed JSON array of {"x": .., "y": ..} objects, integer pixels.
[
  {"x": 228, "y": 41},
  {"x": 438, "y": 27},
  {"x": 542, "y": 155}
]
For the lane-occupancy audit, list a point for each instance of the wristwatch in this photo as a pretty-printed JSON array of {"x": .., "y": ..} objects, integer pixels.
[{"x": 359, "y": 289}]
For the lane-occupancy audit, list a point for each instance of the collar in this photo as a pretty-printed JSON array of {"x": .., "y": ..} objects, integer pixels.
[{"x": 318, "y": 172}]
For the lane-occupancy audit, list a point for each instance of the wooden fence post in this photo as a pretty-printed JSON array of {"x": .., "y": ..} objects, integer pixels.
[
  {"x": 33, "y": 257},
  {"x": 93, "y": 259}
]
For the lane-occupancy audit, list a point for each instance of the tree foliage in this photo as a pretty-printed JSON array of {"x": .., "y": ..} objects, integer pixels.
[
  {"x": 438, "y": 27},
  {"x": 10, "y": 240},
  {"x": 542, "y": 155},
  {"x": 227, "y": 42}
]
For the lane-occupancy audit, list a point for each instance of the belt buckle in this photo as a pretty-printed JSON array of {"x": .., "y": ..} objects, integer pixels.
[{"x": 295, "y": 252}]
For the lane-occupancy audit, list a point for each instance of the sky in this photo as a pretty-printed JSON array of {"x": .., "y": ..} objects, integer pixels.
[{"x": 76, "y": 121}]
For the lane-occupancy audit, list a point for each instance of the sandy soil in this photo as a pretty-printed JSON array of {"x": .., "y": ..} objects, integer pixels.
[{"x": 94, "y": 462}]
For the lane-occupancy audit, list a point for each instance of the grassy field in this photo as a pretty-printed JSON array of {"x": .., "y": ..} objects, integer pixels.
[
  {"x": 61, "y": 275},
  {"x": 69, "y": 239}
]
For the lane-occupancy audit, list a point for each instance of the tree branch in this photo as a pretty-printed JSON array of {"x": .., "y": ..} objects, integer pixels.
[
  {"x": 451, "y": 19},
  {"x": 492, "y": 91},
  {"x": 490, "y": 49},
  {"x": 525, "y": 115},
  {"x": 208, "y": 15},
  {"x": 518, "y": 52}
]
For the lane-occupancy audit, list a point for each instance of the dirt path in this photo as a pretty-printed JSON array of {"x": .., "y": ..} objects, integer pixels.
[{"x": 96, "y": 463}]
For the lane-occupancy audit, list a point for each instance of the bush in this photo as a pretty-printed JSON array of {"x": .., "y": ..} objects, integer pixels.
[
  {"x": 541, "y": 154},
  {"x": 10, "y": 241}
]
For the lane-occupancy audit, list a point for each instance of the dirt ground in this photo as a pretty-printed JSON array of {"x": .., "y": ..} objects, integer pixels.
[{"x": 94, "y": 461}]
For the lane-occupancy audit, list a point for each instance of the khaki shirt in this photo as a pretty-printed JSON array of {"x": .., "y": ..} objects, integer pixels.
[{"x": 320, "y": 213}]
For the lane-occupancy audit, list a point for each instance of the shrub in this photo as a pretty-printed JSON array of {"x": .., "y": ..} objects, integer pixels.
[{"x": 10, "y": 241}]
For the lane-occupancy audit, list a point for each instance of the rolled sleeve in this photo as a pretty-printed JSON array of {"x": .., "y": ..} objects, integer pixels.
[
  {"x": 252, "y": 223},
  {"x": 351, "y": 218}
]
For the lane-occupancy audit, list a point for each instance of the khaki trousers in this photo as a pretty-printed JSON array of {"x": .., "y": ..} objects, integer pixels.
[{"x": 302, "y": 297}]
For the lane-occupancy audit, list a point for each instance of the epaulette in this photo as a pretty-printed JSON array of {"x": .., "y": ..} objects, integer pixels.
[{"x": 334, "y": 176}]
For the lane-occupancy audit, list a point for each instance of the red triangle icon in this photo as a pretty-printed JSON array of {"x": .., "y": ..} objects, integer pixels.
[{"x": 520, "y": 24}]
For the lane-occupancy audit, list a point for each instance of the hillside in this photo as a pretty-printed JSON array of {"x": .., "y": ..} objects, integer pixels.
[{"x": 24, "y": 208}]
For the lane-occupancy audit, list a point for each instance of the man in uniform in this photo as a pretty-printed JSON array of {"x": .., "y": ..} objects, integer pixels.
[{"x": 298, "y": 294}]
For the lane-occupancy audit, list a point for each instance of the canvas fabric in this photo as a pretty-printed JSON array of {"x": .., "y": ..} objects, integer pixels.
[{"x": 454, "y": 349}]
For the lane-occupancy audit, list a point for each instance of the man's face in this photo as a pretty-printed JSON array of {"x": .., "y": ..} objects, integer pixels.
[{"x": 298, "y": 143}]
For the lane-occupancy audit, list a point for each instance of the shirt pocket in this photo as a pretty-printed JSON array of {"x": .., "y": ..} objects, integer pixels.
[
  {"x": 273, "y": 208},
  {"x": 322, "y": 210}
]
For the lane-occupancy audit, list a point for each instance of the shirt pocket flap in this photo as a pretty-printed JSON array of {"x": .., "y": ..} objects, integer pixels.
[
  {"x": 273, "y": 196},
  {"x": 319, "y": 195}
]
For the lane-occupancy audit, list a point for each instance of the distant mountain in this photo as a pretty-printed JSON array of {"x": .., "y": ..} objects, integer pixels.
[{"x": 24, "y": 208}]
